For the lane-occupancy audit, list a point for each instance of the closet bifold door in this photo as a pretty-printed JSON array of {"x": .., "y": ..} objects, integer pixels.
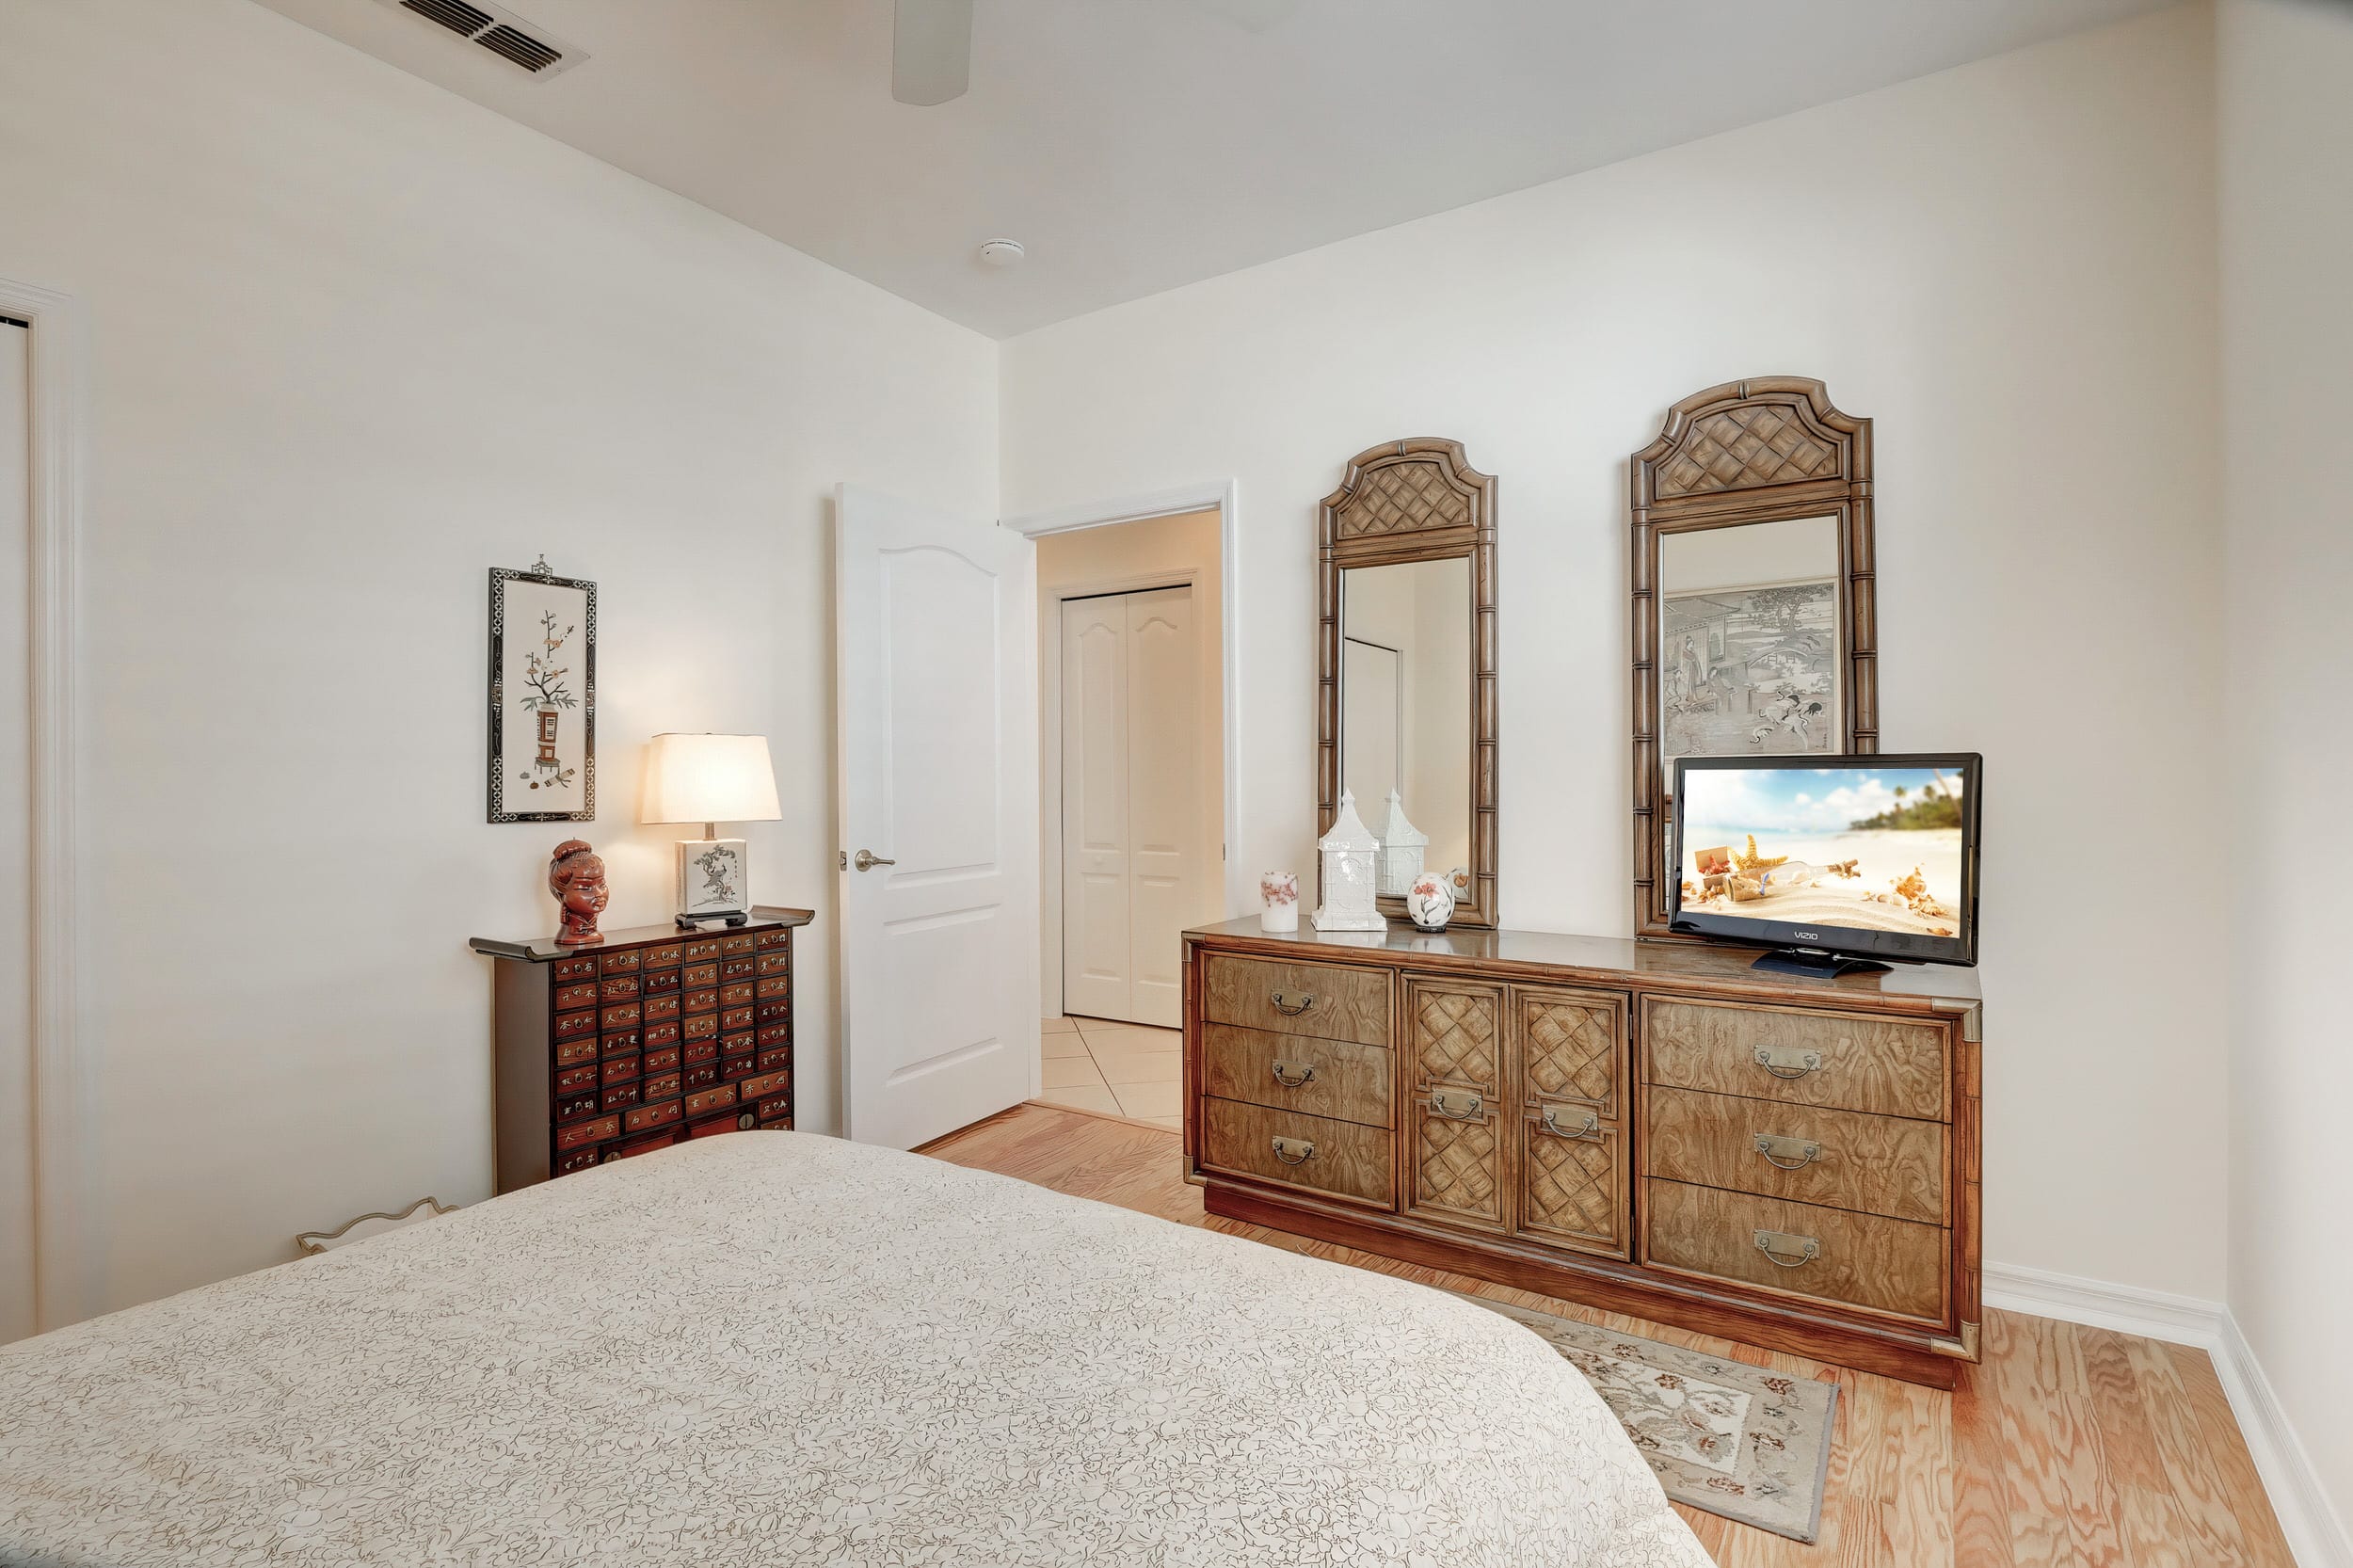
[
  {"x": 1453, "y": 1113},
  {"x": 1566, "y": 1057}
]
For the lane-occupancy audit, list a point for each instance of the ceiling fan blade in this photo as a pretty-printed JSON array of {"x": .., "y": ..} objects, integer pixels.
[{"x": 931, "y": 50}]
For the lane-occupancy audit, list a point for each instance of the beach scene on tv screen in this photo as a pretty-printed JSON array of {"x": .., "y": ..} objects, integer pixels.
[{"x": 1874, "y": 849}]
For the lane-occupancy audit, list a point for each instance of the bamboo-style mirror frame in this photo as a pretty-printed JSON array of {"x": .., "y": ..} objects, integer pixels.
[
  {"x": 1417, "y": 499},
  {"x": 1764, "y": 449}
]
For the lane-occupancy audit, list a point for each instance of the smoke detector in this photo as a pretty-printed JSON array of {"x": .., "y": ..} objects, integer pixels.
[
  {"x": 501, "y": 31},
  {"x": 1001, "y": 253}
]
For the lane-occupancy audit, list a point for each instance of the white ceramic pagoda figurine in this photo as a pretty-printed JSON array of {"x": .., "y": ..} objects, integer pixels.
[
  {"x": 1348, "y": 853},
  {"x": 1401, "y": 847}
]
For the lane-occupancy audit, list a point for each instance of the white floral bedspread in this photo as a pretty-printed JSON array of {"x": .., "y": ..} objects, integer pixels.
[{"x": 781, "y": 1349}]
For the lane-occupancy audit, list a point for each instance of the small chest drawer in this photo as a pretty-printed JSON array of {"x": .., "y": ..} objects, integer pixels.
[
  {"x": 1891, "y": 1165},
  {"x": 621, "y": 987},
  {"x": 581, "y": 1050},
  {"x": 568, "y": 998},
  {"x": 1843, "y": 1061},
  {"x": 650, "y": 1115},
  {"x": 1347, "y": 1159},
  {"x": 568, "y": 1025},
  {"x": 736, "y": 969},
  {"x": 663, "y": 957},
  {"x": 773, "y": 939},
  {"x": 737, "y": 944},
  {"x": 696, "y": 952},
  {"x": 572, "y": 1137},
  {"x": 575, "y": 968},
  {"x": 582, "y": 1076},
  {"x": 776, "y": 963},
  {"x": 1865, "y": 1260},
  {"x": 661, "y": 982},
  {"x": 1326, "y": 1078},
  {"x": 1327, "y": 1001},
  {"x": 622, "y": 1017},
  {"x": 624, "y": 962}
]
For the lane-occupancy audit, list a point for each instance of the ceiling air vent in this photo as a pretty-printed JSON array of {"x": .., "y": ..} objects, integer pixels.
[{"x": 499, "y": 31}]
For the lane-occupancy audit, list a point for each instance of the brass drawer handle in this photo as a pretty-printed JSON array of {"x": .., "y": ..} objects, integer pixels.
[
  {"x": 1777, "y": 1244},
  {"x": 1292, "y": 1003},
  {"x": 1787, "y": 1062},
  {"x": 1444, "y": 1105},
  {"x": 1293, "y": 1075},
  {"x": 1786, "y": 1154},
  {"x": 1294, "y": 1151},
  {"x": 1590, "y": 1132}
]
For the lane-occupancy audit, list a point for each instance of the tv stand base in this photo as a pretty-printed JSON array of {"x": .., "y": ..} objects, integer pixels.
[{"x": 1814, "y": 962}]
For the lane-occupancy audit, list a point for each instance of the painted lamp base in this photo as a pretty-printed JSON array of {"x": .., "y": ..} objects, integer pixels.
[{"x": 714, "y": 878}]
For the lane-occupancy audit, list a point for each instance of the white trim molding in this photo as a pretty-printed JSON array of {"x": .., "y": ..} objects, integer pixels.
[
  {"x": 1242, "y": 888},
  {"x": 67, "y": 1256},
  {"x": 2316, "y": 1532}
]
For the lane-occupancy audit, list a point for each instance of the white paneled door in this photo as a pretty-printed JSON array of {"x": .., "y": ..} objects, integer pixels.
[
  {"x": 1133, "y": 855},
  {"x": 16, "y": 839},
  {"x": 939, "y": 817}
]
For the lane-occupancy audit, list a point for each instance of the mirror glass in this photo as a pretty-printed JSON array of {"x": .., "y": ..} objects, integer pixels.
[
  {"x": 1748, "y": 656},
  {"x": 1405, "y": 709}
]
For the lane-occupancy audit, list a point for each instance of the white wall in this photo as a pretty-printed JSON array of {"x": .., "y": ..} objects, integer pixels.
[
  {"x": 2286, "y": 111},
  {"x": 354, "y": 342},
  {"x": 2010, "y": 267}
]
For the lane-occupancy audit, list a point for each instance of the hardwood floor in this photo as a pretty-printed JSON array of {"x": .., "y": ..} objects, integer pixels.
[{"x": 2068, "y": 1446}]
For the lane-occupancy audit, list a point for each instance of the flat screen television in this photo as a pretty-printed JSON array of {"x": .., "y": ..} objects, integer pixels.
[{"x": 1837, "y": 861}]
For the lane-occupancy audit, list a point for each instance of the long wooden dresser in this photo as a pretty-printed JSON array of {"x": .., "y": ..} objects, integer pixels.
[
  {"x": 1648, "y": 1127},
  {"x": 652, "y": 1036}
]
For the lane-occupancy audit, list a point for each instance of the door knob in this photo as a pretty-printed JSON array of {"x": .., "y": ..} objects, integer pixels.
[{"x": 867, "y": 860}]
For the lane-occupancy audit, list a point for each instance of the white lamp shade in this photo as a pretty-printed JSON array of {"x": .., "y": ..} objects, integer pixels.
[{"x": 711, "y": 778}]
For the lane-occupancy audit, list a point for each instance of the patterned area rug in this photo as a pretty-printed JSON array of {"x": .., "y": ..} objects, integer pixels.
[{"x": 1724, "y": 1436}]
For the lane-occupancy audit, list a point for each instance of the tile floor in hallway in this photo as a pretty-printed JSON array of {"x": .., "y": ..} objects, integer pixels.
[{"x": 1127, "y": 1069}]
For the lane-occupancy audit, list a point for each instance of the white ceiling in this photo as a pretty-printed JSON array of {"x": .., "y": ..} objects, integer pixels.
[{"x": 1137, "y": 145}]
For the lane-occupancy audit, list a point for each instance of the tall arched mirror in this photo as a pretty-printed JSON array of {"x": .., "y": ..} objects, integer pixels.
[
  {"x": 1406, "y": 669},
  {"x": 1754, "y": 629}
]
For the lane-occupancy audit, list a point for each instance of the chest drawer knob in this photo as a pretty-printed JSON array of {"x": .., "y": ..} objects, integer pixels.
[
  {"x": 1787, "y": 1061},
  {"x": 1292, "y": 1003},
  {"x": 1294, "y": 1151},
  {"x": 1456, "y": 1105},
  {"x": 1787, "y": 1154},
  {"x": 1293, "y": 1075},
  {"x": 1590, "y": 1131},
  {"x": 1786, "y": 1250}
]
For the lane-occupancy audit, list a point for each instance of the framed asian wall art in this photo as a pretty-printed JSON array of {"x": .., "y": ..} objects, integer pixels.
[{"x": 543, "y": 696}]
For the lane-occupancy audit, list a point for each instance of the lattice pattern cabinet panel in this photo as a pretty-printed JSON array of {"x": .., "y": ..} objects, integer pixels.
[
  {"x": 1567, "y": 1050},
  {"x": 1455, "y": 1145}
]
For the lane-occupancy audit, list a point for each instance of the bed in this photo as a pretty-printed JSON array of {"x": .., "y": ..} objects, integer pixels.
[{"x": 815, "y": 1353}]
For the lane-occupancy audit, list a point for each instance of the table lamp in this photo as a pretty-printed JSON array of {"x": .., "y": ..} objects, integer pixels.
[{"x": 711, "y": 780}]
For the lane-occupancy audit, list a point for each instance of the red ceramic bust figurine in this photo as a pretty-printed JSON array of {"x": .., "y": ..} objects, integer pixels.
[{"x": 576, "y": 877}]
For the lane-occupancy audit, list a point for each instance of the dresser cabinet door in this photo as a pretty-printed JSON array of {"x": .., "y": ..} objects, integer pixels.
[
  {"x": 1454, "y": 1114},
  {"x": 1566, "y": 1053}
]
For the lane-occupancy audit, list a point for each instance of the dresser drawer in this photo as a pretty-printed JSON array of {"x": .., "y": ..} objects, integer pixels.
[
  {"x": 776, "y": 963},
  {"x": 625, "y": 961},
  {"x": 1843, "y": 1061},
  {"x": 570, "y": 1025},
  {"x": 568, "y": 997},
  {"x": 579, "y": 1133},
  {"x": 709, "y": 1099},
  {"x": 773, "y": 939},
  {"x": 736, "y": 995},
  {"x": 735, "y": 969},
  {"x": 1325, "y": 1001},
  {"x": 699, "y": 976},
  {"x": 696, "y": 952},
  {"x": 662, "y": 1007},
  {"x": 575, "y": 968},
  {"x": 1890, "y": 1165},
  {"x": 621, "y": 987},
  {"x": 663, "y": 957},
  {"x": 621, "y": 1042},
  {"x": 650, "y": 1115},
  {"x": 702, "y": 1001},
  {"x": 766, "y": 1084},
  {"x": 737, "y": 944},
  {"x": 1343, "y": 1158},
  {"x": 623, "y": 1016},
  {"x": 1865, "y": 1260},
  {"x": 1289, "y": 1072},
  {"x": 584, "y": 1076},
  {"x": 661, "y": 983},
  {"x": 581, "y": 1050}
]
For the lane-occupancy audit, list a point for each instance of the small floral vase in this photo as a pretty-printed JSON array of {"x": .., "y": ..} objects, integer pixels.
[
  {"x": 1430, "y": 902},
  {"x": 1278, "y": 894}
]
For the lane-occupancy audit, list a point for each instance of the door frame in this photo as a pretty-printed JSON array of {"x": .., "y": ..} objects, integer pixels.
[
  {"x": 1241, "y": 887},
  {"x": 66, "y": 1257},
  {"x": 1050, "y": 802}
]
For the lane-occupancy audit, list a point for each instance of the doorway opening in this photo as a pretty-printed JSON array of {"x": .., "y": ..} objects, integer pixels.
[{"x": 1132, "y": 769}]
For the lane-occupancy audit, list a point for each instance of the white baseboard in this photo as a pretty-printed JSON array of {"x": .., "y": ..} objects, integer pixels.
[
  {"x": 2124, "y": 1309},
  {"x": 2316, "y": 1532}
]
